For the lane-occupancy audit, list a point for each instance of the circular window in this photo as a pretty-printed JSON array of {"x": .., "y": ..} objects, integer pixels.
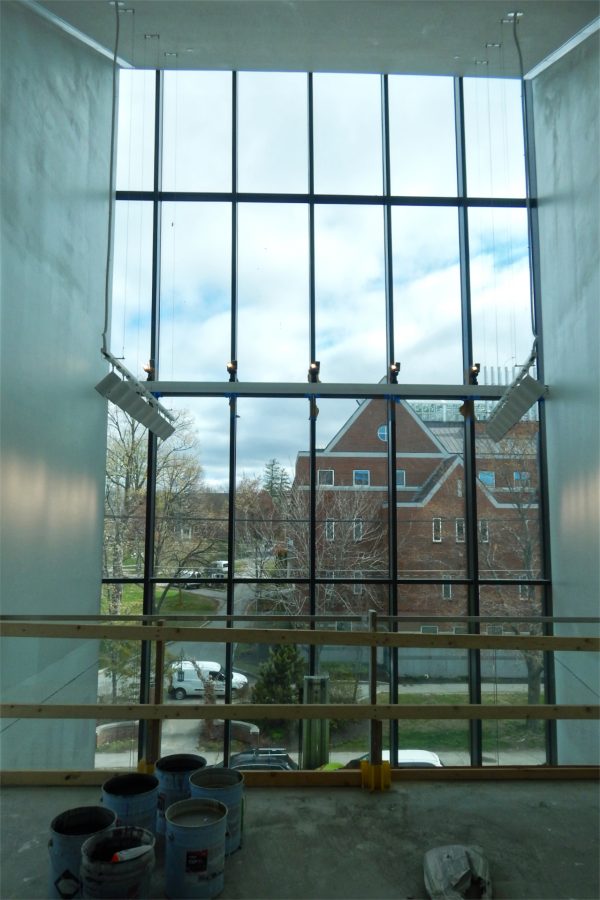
[{"x": 382, "y": 432}]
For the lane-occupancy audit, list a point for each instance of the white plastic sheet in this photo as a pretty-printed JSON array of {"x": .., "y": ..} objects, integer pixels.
[{"x": 457, "y": 871}]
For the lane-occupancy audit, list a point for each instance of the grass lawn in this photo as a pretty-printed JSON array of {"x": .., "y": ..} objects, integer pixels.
[{"x": 176, "y": 601}]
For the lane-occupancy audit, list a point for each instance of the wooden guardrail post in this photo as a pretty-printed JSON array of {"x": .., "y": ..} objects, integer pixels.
[
  {"x": 155, "y": 725},
  {"x": 375, "y": 774}
]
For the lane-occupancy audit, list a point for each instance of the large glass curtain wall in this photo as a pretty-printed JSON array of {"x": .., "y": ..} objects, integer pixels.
[{"x": 354, "y": 220}]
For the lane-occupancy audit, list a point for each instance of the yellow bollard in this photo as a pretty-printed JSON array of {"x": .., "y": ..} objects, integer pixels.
[{"x": 375, "y": 777}]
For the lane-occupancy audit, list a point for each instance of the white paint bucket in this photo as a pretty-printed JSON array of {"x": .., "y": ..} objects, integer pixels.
[
  {"x": 68, "y": 831},
  {"x": 195, "y": 848},
  {"x": 101, "y": 876},
  {"x": 133, "y": 797},
  {"x": 226, "y": 785},
  {"x": 173, "y": 773}
]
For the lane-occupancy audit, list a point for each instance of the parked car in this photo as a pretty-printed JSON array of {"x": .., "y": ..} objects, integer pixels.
[
  {"x": 263, "y": 758},
  {"x": 414, "y": 759},
  {"x": 191, "y": 678}
]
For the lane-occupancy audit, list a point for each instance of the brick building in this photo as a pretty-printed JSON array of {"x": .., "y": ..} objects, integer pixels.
[{"x": 352, "y": 538}]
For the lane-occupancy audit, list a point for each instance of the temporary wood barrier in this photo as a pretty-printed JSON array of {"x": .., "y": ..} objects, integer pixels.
[
  {"x": 375, "y": 712},
  {"x": 159, "y": 632},
  {"x": 297, "y": 636}
]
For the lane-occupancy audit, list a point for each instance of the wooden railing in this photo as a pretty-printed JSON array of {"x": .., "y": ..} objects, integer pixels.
[{"x": 375, "y": 712}]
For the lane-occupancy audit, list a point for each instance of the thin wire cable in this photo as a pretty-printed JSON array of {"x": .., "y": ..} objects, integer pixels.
[
  {"x": 527, "y": 172},
  {"x": 111, "y": 183}
]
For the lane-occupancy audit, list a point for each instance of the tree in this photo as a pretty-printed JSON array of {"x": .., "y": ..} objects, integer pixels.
[
  {"x": 276, "y": 482},
  {"x": 350, "y": 544},
  {"x": 279, "y": 680},
  {"x": 187, "y": 532},
  {"x": 512, "y": 549}
]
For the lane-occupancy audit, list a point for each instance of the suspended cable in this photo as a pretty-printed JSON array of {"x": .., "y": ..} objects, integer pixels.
[
  {"x": 111, "y": 183},
  {"x": 515, "y": 18}
]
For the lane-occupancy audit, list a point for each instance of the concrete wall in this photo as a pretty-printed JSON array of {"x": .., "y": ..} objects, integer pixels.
[
  {"x": 56, "y": 101},
  {"x": 566, "y": 108}
]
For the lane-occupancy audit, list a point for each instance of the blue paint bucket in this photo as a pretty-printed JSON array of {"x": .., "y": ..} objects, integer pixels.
[
  {"x": 227, "y": 786},
  {"x": 68, "y": 831},
  {"x": 133, "y": 797},
  {"x": 173, "y": 773},
  {"x": 195, "y": 848},
  {"x": 118, "y": 863}
]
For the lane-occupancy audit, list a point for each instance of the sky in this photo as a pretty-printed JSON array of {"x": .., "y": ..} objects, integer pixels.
[{"x": 273, "y": 243}]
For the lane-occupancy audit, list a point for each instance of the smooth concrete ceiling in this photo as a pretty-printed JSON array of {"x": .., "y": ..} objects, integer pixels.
[{"x": 439, "y": 37}]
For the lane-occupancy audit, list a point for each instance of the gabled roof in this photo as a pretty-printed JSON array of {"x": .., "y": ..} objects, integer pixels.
[{"x": 359, "y": 432}]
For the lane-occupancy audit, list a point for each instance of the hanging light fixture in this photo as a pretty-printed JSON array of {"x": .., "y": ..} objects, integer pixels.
[
  {"x": 518, "y": 398},
  {"x": 134, "y": 399}
]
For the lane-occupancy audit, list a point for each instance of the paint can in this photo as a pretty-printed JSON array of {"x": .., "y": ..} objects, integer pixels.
[
  {"x": 133, "y": 797},
  {"x": 173, "y": 773},
  {"x": 118, "y": 864},
  {"x": 68, "y": 831},
  {"x": 195, "y": 848},
  {"x": 226, "y": 785}
]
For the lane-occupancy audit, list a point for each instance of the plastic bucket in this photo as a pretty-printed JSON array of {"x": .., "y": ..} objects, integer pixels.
[
  {"x": 68, "y": 831},
  {"x": 133, "y": 797},
  {"x": 103, "y": 877},
  {"x": 195, "y": 848},
  {"x": 173, "y": 773},
  {"x": 226, "y": 785}
]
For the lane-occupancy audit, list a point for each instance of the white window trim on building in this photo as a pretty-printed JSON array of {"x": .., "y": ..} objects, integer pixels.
[
  {"x": 358, "y": 528},
  {"x": 329, "y": 529},
  {"x": 459, "y": 525},
  {"x": 436, "y": 530},
  {"x": 361, "y": 472},
  {"x": 323, "y": 477}
]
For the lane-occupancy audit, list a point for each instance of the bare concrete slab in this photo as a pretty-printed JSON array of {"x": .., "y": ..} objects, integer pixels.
[{"x": 541, "y": 840}]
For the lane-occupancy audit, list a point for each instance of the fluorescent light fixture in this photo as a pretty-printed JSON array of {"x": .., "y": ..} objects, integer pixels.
[
  {"x": 519, "y": 397},
  {"x": 126, "y": 395}
]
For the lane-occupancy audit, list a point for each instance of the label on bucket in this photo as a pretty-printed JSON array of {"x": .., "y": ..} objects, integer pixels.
[
  {"x": 208, "y": 861},
  {"x": 196, "y": 861}
]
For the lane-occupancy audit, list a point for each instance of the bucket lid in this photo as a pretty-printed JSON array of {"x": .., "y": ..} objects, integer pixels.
[
  {"x": 196, "y": 813},
  {"x": 216, "y": 777}
]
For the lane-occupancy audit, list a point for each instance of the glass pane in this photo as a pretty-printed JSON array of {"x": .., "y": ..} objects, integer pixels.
[
  {"x": 275, "y": 674},
  {"x": 433, "y": 676},
  {"x": 422, "y": 140},
  {"x": 194, "y": 673},
  {"x": 350, "y": 294},
  {"x": 508, "y": 504},
  {"x": 431, "y": 503},
  {"x": 272, "y": 132},
  {"x": 500, "y": 292},
  {"x": 347, "y": 134},
  {"x": 119, "y": 669},
  {"x": 124, "y": 507},
  {"x": 351, "y": 519},
  {"x": 512, "y": 676},
  {"x": 195, "y": 306},
  {"x": 271, "y": 515},
  {"x": 427, "y": 302},
  {"x": 135, "y": 145},
  {"x": 132, "y": 285},
  {"x": 197, "y": 131},
  {"x": 191, "y": 498},
  {"x": 494, "y": 137},
  {"x": 273, "y": 292}
]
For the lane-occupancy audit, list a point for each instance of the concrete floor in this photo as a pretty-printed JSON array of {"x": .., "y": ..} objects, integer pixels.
[{"x": 541, "y": 839}]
